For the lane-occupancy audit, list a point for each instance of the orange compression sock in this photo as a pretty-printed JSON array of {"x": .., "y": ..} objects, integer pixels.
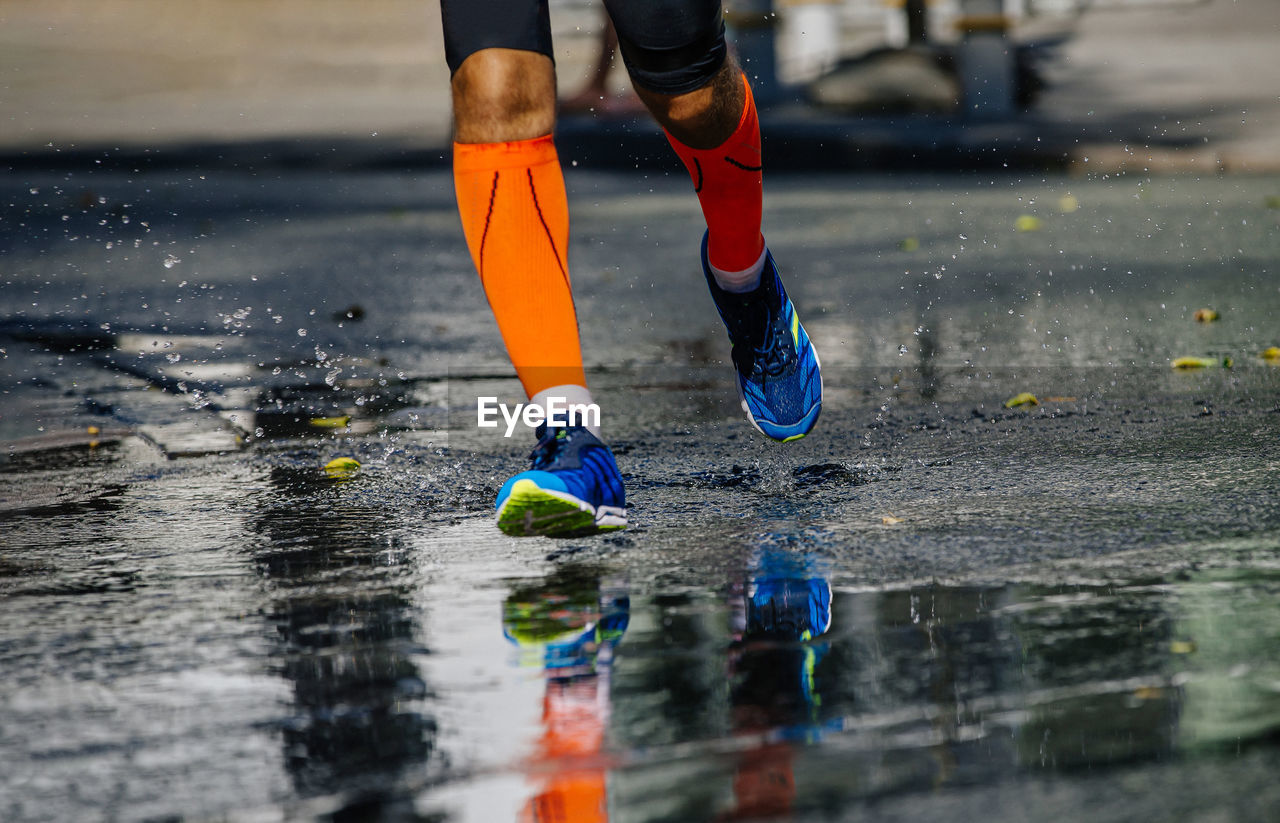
[
  {"x": 515, "y": 216},
  {"x": 728, "y": 182}
]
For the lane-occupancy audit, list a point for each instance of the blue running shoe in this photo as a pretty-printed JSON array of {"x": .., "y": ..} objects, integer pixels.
[
  {"x": 573, "y": 488},
  {"x": 787, "y": 609},
  {"x": 779, "y": 379}
]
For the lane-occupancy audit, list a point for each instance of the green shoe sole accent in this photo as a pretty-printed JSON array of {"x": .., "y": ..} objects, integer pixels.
[{"x": 531, "y": 510}]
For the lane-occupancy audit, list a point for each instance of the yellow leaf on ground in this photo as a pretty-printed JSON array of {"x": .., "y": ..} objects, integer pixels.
[
  {"x": 1270, "y": 353},
  {"x": 1028, "y": 222},
  {"x": 890, "y": 520},
  {"x": 1068, "y": 203},
  {"x": 340, "y": 467},
  {"x": 1026, "y": 398},
  {"x": 330, "y": 422},
  {"x": 1182, "y": 647},
  {"x": 1206, "y": 315},
  {"x": 909, "y": 244},
  {"x": 1202, "y": 362}
]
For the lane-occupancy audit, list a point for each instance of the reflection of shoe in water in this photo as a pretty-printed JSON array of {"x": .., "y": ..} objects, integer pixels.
[
  {"x": 568, "y": 624},
  {"x": 559, "y": 647},
  {"x": 573, "y": 488},
  {"x": 565, "y": 625},
  {"x": 778, "y": 658},
  {"x": 779, "y": 378},
  {"x": 788, "y": 609}
]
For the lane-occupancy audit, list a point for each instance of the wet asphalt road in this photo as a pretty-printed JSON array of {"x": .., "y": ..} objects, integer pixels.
[{"x": 934, "y": 607}]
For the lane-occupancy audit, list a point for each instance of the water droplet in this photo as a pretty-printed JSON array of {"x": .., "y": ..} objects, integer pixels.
[
  {"x": 902, "y": 349},
  {"x": 170, "y": 261}
]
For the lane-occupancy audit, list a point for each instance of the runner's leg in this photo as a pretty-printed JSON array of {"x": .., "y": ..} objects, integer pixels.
[
  {"x": 510, "y": 187},
  {"x": 515, "y": 216},
  {"x": 676, "y": 55}
]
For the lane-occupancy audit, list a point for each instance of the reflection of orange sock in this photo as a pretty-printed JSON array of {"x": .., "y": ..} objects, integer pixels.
[
  {"x": 571, "y": 797},
  {"x": 765, "y": 784},
  {"x": 728, "y": 182},
  {"x": 576, "y": 790},
  {"x": 516, "y": 218}
]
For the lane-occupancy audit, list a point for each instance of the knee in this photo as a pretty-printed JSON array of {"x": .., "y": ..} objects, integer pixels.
[
  {"x": 503, "y": 94},
  {"x": 703, "y": 118}
]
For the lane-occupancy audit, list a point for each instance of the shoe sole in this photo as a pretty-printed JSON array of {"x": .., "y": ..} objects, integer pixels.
[{"x": 531, "y": 510}]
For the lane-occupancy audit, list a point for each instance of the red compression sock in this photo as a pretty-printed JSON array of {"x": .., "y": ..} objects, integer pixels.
[{"x": 728, "y": 182}]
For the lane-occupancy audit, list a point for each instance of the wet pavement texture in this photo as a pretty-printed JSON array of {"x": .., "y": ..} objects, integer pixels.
[{"x": 935, "y": 607}]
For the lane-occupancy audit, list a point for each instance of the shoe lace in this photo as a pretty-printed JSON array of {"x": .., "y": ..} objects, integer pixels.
[
  {"x": 550, "y": 443},
  {"x": 771, "y": 356},
  {"x": 776, "y": 354}
]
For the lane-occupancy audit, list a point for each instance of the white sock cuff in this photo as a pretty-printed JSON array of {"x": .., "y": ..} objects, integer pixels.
[
  {"x": 740, "y": 281},
  {"x": 571, "y": 395}
]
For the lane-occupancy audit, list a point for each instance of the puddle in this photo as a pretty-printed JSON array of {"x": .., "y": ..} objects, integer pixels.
[
  {"x": 255, "y": 636},
  {"x": 777, "y": 694},
  {"x": 936, "y": 599}
]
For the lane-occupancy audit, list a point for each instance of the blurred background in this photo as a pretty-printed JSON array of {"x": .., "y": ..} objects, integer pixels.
[{"x": 1191, "y": 79}]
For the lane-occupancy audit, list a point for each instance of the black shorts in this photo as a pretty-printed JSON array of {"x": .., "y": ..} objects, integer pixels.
[{"x": 668, "y": 46}]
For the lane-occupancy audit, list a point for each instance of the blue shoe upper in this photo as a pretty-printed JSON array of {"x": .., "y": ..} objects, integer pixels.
[
  {"x": 789, "y": 609},
  {"x": 777, "y": 368},
  {"x": 572, "y": 460}
]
